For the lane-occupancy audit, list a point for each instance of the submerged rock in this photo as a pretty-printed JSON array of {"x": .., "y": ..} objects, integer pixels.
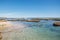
[
  {"x": 9, "y": 26},
  {"x": 5, "y": 25}
]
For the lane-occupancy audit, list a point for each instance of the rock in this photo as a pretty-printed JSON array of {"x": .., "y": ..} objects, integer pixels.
[
  {"x": 32, "y": 20},
  {"x": 9, "y": 26},
  {"x": 5, "y": 25},
  {"x": 57, "y": 23},
  {"x": 0, "y": 35},
  {"x": 3, "y": 21}
]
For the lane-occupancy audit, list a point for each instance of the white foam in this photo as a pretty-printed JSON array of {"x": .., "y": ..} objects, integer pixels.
[{"x": 10, "y": 27}]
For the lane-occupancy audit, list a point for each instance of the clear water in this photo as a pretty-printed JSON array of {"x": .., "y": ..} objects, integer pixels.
[{"x": 43, "y": 30}]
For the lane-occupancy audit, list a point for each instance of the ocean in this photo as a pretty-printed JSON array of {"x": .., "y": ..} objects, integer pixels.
[{"x": 43, "y": 30}]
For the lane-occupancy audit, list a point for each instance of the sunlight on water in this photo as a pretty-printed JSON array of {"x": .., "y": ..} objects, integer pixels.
[{"x": 33, "y": 31}]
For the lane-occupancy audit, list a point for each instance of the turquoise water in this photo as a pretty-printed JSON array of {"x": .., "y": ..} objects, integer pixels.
[{"x": 43, "y": 30}]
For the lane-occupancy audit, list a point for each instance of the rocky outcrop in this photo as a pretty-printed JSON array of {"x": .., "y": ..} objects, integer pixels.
[
  {"x": 56, "y": 23},
  {"x": 32, "y": 20}
]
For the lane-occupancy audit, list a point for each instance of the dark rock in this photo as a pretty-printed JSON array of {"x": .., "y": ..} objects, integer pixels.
[{"x": 56, "y": 23}]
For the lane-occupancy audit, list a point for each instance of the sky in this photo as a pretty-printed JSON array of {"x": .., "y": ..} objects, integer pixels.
[{"x": 29, "y": 8}]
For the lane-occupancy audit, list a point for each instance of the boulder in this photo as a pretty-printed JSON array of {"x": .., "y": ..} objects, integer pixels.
[{"x": 57, "y": 23}]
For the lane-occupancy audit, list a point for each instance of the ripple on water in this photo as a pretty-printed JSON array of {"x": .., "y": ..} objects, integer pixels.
[{"x": 34, "y": 32}]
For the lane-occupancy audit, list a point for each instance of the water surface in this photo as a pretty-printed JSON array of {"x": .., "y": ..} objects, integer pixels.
[{"x": 43, "y": 30}]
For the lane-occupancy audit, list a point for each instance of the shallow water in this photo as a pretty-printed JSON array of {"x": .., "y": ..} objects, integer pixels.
[{"x": 43, "y": 30}]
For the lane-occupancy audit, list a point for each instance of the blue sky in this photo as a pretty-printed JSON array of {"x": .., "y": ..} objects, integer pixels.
[{"x": 29, "y": 8}]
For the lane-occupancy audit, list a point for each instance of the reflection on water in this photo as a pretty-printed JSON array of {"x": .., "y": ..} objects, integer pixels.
[{"x": 43, "y": 30}]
